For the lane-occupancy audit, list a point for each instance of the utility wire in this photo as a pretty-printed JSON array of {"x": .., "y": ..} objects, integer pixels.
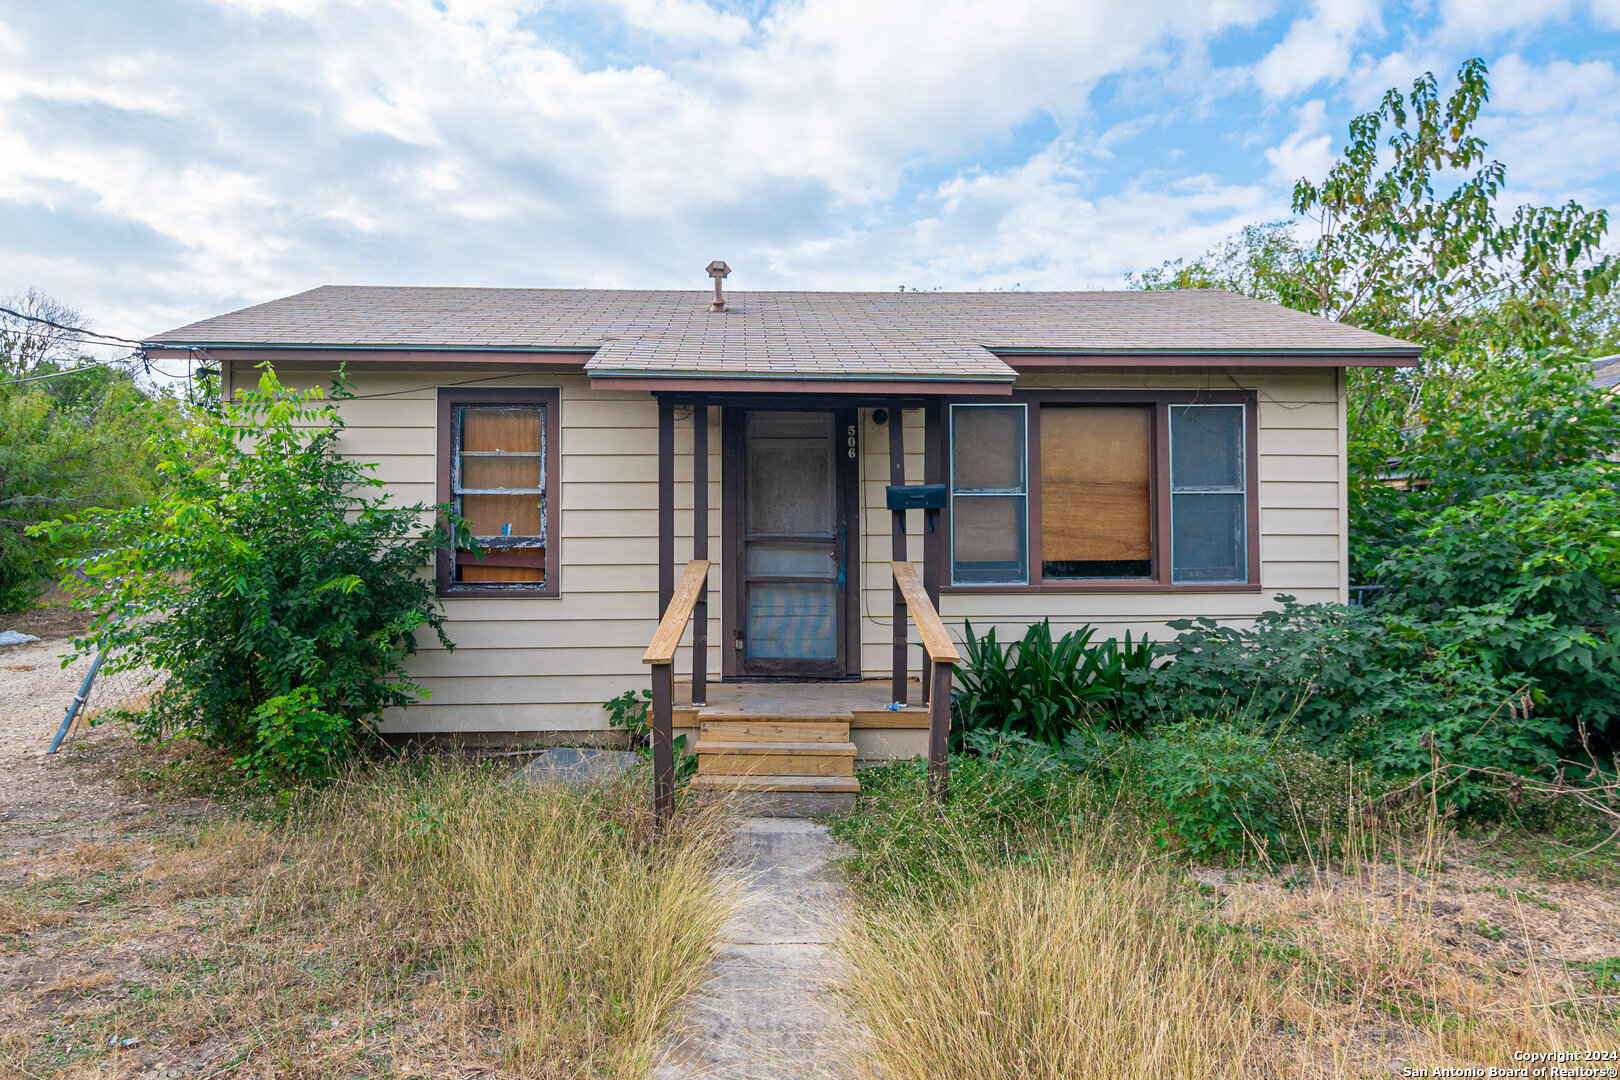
[{"x": 70, "y": 329}]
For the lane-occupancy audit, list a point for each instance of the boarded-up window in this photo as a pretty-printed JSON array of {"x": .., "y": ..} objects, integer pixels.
[
  {"x": 1096, "y": 497},
  {"x": 1208, "y": 494},
  {"x": 989, "y": 494},
  {"x": 498, "y": 484}
]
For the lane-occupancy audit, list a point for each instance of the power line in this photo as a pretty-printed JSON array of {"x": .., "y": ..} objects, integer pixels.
[{"x": 70, "y": 329}]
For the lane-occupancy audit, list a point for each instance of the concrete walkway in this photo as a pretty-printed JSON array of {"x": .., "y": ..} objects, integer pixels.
[{"x": 765, "y": 1010}]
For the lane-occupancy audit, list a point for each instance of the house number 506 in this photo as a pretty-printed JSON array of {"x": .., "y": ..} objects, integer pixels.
[{"x": 851, "y": 440}]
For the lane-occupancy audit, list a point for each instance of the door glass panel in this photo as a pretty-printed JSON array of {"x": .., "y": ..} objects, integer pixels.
[
  {"x": 790, "y": 486},
  {"x": 790, "y": 425},
  {"x": 792, "y": 621},
  {"x": 792, "y": 560}
]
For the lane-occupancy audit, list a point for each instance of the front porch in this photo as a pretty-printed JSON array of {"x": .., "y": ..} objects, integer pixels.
[{"x": 792, "y": 502}]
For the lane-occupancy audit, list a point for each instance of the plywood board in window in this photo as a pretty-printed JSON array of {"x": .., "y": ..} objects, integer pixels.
[{"x": 1095, "y": 502}]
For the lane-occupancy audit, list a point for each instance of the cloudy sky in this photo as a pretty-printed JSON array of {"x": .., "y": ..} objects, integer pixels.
[{"x": 164, "y": 160}]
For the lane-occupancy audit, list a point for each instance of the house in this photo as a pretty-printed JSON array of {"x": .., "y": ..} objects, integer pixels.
[
  {"x": 1115, "y": 458},
  {"x": 1606, "y": 373}
]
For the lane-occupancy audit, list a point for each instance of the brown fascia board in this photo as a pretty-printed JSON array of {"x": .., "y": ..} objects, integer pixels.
[{"x": 1025, "y": 361}]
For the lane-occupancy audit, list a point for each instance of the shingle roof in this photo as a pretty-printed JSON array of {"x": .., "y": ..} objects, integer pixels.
[
  {"x": 896, "y": 335},
  {"x": 1606, "y": 372}
]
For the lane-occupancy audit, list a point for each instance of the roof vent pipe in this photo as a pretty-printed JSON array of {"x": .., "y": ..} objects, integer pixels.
[{"x": 718, "y": 270}]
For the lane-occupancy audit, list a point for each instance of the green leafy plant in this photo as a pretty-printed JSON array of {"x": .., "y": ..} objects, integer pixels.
[
  {"x": 1040, "y": 687},
  {"x": 629, "y": 713},
  {"x": 1216, "y": 788},
  {"x": 1372, "y": 686},
  {"x": 297, "y": 738},
  {"x": 280, "y": 590}
]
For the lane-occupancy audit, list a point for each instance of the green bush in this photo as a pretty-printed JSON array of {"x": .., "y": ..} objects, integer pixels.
[
  {"x": 279, "y": 591},
  {"x": 1216, "y": 789},
  {"x": 1040, "y": 687},
  {"x": 1368, "y": 686},
  {"x": 297, "y": 738}
]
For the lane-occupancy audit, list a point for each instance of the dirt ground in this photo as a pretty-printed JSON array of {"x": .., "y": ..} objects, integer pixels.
[{"x": 35, "y": 691}]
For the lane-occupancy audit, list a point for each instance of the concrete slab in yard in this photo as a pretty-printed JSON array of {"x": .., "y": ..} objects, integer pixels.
[{"x": 576, "y": 767}]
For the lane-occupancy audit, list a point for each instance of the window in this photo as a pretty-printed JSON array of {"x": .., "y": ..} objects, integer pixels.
[
  {"x": 1126, "y": 490},
  {"x": 1208, "y": 504},
  {"x": 989, "y": 495},
  {"x": 497, "y": 469}
]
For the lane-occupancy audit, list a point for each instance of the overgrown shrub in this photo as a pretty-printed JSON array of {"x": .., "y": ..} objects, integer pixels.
[
  {"x": 1369, "y": 686},
  {"x": 1215, "y": 787},
  {"x": 1531, "y": 574},
  {"x": 280, "y": 591},
  {"x": 1040, "y": 686}
]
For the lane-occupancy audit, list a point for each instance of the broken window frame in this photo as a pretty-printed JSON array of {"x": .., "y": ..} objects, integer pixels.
[{"x": 539, "y": 550}]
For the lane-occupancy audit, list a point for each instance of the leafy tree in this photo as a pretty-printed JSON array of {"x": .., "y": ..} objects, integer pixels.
[
  {"x": 1265, "y": 261},
  {"x": 278, "y": 589},
  {"x": 67, "y": 431}
]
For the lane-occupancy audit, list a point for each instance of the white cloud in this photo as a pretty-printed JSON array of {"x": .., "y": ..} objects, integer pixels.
[
  {"x": 1308, "y": 151},
  {"x": 1319, "y": 47}
]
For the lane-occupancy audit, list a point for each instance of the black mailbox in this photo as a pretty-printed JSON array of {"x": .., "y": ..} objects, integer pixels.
[{"x": 917, "y": 497}]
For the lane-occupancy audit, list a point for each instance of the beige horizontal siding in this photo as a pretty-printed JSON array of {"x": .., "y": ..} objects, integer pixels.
[{"x": 531, "y": 665}]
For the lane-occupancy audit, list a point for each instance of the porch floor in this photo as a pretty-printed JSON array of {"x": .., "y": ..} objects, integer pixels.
[{"x": 865, "y": 703}]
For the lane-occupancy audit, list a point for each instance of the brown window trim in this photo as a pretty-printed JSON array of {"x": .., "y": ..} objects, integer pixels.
[
  {"x": 550, "y": 397},
  {"x": 1159, "y": 486}
]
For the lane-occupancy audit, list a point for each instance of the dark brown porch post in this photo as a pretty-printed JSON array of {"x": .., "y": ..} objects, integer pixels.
[
  {"x": 700, "y": 550},
  {"x": 939, "y": 732},
  {"x": 933, "y": 473},
  {"x": 666, "y": 505},
  {"x": 897, "y": 535},
  {"x": 663, "y": 681}
]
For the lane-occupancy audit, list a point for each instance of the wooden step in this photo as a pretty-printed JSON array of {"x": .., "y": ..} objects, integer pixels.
[
  {"x": 823, "y": 749},
  {"x": 762, "y": 730},
  {"x": 775, "y": 765},
  {"x": 824, "y": 784}
]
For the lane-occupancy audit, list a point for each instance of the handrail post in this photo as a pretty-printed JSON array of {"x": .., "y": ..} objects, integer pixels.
[
  {"x": 663, "y": 740},
  {"x": 939, "y": 731},
  {"x": 660, "y": 655}
]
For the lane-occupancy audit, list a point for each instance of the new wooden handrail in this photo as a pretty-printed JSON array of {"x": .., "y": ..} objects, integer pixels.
[
  {"x": 676, "y": 616},
  {"x": 934, "y": 638}
]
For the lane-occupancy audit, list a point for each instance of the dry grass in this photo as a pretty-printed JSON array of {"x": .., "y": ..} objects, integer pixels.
[
  {"x": 1058, "y": 971},
  {"x": 1090, "y": 954},
  {"x": 418, "y": 922}
]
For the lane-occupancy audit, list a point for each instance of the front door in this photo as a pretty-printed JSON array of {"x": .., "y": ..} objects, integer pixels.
[{"x": 795, "y": 473}]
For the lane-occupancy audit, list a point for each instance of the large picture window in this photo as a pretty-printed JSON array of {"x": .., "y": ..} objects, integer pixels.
[
  {"x": 1104, "y": 490},
  {"x": 497, "y": 469}
]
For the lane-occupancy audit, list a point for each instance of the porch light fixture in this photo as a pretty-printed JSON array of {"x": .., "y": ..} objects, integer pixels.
[{"x": 718, "y": 270}]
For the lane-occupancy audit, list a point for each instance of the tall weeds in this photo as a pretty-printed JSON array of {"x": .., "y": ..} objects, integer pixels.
[
  {"x": 1054, "y": 972},
  {"x": 552, "y": 917},
  {"x": 1036, "y": 933}
]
